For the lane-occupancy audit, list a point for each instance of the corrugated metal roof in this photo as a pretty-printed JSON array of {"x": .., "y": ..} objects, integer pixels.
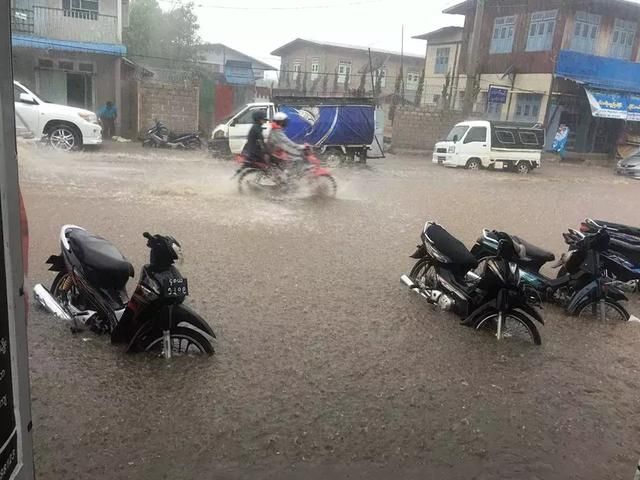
[
  {"x": 30, "y": 41},
  {"x": 278, "y": 51},
  {"x": 440, "y": 32}
]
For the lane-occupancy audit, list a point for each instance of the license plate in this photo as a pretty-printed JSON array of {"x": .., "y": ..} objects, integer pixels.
[
  {"x": 499, "y": 165},
  {"x": 175, "y": 288}
]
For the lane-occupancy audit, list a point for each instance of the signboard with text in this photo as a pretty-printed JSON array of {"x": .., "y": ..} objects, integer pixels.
[
  {"x": 615, "y": 105},
  {"x": 497, "y": 94}
]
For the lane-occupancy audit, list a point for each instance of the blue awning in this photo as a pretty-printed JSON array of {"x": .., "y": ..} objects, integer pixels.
[
  {"x": 599, "y": 72},
  {"x": 30, "y": 41}
]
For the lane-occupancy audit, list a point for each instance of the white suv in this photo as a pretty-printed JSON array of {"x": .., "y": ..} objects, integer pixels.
[{"x": 65, "y": 128}]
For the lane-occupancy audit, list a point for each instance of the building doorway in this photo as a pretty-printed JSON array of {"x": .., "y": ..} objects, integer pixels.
[{"x": 79, "y": 91}]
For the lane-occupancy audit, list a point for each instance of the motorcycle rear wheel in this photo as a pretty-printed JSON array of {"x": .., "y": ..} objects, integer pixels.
[
  {"x": 184, "y": 341},
  {"x": 516, "y": 327},
  {"x": 253, "y": 181}
]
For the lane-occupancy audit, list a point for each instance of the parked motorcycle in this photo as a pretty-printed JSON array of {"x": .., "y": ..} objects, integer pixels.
[
  {"x": 282, "y": 175},
  {"x": 490, "y": 298},
  {"x": 159, "y": 136},
  {"x": 89, "y": 292},
  {"x": 581, "y": 288},
  {"x": 621, "y": 261}
]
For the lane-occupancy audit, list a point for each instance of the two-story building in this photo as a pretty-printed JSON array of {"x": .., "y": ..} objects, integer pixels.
[
  {"x": 340, "y": 63},
  {"x": 443, "y": 83},
  {"x": 571, "y": 62},
  {"x": 71, "y": 51}
]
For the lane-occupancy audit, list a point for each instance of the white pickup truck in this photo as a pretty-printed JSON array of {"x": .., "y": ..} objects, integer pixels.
[
  {"x": 499, "y": 146},
  {"x": 65, "y": 128}
]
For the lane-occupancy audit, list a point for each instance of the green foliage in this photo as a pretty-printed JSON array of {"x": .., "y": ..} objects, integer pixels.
[
  {"x": 155, "y": 33},
  {"x": 336, "y": 85},
  {"x": 420, "y": 90}
]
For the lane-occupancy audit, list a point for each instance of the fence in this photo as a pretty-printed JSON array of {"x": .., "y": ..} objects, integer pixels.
[{"x": 65, "y": 24}]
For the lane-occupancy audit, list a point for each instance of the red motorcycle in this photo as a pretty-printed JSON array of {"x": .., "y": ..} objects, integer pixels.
[{"x": 282, "y": 174}]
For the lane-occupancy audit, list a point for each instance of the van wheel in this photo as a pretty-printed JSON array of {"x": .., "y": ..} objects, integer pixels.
[
  {"x": 523, "y": 168},
  {"x": 473, "y": 164}
]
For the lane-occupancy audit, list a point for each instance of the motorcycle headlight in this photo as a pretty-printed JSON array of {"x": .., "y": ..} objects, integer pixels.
[
  {"x": 452, "y": 149},
  {"x": 88, "y": 117}
]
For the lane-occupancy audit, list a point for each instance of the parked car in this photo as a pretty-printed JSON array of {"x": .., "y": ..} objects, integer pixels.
[
  {"x": 630, "y": 166},
  {"x": 63, "y": 127},
  {"x": 338, "y": 128},
  {"x": 498, "y": 146}
]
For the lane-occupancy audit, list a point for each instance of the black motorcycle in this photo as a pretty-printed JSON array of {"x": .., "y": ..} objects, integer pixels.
[
  {"x": 621, "y": 261},
  {"x": 89, "y": 292},
  {"x": 159, "y": 136},
  {"x": 581, "y": 287},
  {"x": 489, "y": 298}
]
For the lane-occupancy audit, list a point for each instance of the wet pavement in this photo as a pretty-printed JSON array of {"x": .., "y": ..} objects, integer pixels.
[{"x": 325, "y": 367}]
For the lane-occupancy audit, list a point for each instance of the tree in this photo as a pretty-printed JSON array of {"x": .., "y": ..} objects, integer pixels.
[
  {"x": 346, "y": 82},
  {"x": 298, "y": 80},
  {"x": 396, "y": 94},
  {"x": 378, "y": 88},
  {"x": 325, "y": 82},
  {"x": 154, "y": 33},
  {"x": 446, "y": 94},
  {"x": 336, "y": 85},
  {"x": 420, "y": 90},
  {"x": 315, "y": 83},
  {"x": 360, "y": 92},
  {"x": 304, "y": 84}
]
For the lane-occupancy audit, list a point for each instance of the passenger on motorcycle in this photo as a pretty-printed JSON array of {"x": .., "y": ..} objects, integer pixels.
[{"x": 255, "y": 149}]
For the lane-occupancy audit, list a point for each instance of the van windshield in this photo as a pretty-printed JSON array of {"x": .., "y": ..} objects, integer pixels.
[{"x": 457, "y": 131}]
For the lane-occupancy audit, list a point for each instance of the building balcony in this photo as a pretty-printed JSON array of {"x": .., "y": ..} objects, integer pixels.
[{"x": 65, "y": 24}]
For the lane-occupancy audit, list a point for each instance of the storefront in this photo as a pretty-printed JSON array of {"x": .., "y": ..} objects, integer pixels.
[{"x": 598, "y": 99}]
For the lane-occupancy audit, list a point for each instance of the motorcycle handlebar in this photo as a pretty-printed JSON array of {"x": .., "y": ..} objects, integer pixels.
[{"x": 147, "y": 235}]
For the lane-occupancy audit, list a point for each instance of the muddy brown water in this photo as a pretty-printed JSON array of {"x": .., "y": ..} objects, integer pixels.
[{"x": 325, "y": 367}]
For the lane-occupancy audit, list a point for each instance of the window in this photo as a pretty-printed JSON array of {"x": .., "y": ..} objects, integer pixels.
[
  {"x": 585, "y": 32},
  {"x": 315, "y": 68},
  {"x": 476, "y": 134},
  {"x": 541, "y": 29},
  {"x": 505, "y": 137},
  {"x": 412, "y": 80},
  {"x": 87, "y": 9},
  {"x": 344, "y": 70},
  {"x": 65, "y": 65},
  {"x": 45, "y": 63},
  {"x": 296, "y": 70},
  {"x": 503, "y": 33},
  {"x": 442, "y": 60},
  {"x": 247, "y": 117},
  {"x": 85, "y": 67},
  {"x": 382, "y": 72},
  {"x": 528, "y": 107},
  {"x": 457, "y": 133},
  {"x": 528, "y": 138},
  {"x": 624, "y": 34}
]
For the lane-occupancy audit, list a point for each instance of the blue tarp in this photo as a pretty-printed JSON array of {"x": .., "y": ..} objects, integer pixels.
[
  {"x": 331, "y": 125},
  {"x": 599, "y": 72},
  {"x": 30, "y": 41}
]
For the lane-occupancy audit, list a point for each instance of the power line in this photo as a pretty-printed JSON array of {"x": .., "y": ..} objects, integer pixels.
[
  {"x": 355, "y": 75},
  {"x": 299, "y": 7}
]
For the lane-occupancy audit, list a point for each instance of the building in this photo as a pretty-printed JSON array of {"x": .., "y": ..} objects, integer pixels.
[
  {"x": 443, "y": 84},
  {"x": 327, "y": 66},
  {"x": 70, "y": 51},
  {"x": 560, "y": 62},
  {"x": 235, "y": 64}
]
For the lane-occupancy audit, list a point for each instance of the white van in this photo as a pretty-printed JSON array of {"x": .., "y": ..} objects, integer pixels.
[{"x": 482, "y": 144}]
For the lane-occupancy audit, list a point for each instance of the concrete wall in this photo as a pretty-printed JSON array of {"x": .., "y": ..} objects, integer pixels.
[
  {"x": 419, "y": 129},
  {"x": 175, "y": 105}
]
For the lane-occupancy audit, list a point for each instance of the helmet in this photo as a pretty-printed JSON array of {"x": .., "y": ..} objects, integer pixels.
[
  {"x": 281, "y": 119},
  {"x": 259, "y": 115}
]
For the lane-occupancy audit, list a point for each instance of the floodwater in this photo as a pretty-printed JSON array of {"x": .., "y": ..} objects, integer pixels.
[{"x": 325, "y": 367}]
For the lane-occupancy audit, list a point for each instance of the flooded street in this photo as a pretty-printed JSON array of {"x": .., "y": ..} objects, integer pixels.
[{"x": 325, "y": 366}]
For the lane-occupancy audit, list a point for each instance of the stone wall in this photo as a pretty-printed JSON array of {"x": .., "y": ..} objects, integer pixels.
[
  {"x": 174, "y": 104},
  {"x": 419, "y": 129}
]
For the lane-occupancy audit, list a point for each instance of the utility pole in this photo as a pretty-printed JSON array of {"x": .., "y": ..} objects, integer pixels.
[
  {"x": 402, "y": 65},
  {"x": 16, "y": 448},
  {"x": 472, "y": 57}
]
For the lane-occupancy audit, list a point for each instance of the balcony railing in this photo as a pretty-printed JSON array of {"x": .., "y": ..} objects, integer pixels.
[{"x": 65, "y": 24}]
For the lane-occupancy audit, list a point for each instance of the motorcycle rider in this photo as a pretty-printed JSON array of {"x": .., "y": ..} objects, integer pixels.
[
  {"x": 278, "y": 142},
  {"x": 255, "y": 149}
]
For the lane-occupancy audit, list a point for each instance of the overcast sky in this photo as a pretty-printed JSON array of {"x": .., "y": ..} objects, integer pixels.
[{"x": 257, "y": 27}]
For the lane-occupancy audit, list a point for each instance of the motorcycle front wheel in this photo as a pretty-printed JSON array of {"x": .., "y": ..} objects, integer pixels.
[
  {"x": 184, "y": 341},
  {"x": 516, "y": 327},
  {"x": 608, "y": 310},
  {"x": 324, "y": 186}
]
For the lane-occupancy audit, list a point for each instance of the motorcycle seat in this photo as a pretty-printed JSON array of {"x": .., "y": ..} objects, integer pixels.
[
  {"x": 451, "y": 247},
  {"x": 535, "y": 253},
  {"x": 628, "y": 250},
  {"x": 104, "y": 263}
]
